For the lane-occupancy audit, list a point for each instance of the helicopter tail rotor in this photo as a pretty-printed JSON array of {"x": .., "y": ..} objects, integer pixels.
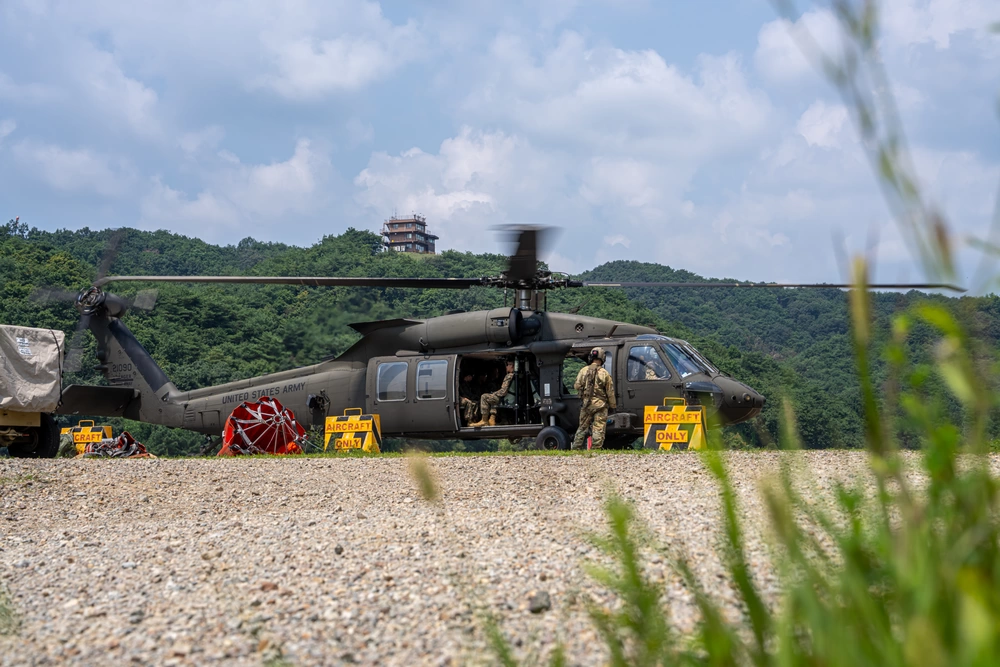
[{"x": 93, "y": 300}]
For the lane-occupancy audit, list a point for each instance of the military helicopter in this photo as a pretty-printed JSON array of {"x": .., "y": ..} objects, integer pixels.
[{"x": 409, "y": 370}]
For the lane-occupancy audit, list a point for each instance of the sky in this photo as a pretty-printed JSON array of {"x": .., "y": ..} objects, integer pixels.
[{"x": 695, "y": 135}]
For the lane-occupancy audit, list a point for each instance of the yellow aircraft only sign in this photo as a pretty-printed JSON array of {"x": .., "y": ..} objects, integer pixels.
[
  {"x": 354, "y": 431},
  {"x": 86, "y": 432},
  {"x": 673, "y": 424}
]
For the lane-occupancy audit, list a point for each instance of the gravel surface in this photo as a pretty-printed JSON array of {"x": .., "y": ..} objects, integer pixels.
[{"x": 337, "y": 561}]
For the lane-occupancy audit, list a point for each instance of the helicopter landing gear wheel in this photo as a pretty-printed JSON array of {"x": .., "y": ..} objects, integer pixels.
[
  {"x": 552, "y": 437},
  {"x": 621, "y": 442}
]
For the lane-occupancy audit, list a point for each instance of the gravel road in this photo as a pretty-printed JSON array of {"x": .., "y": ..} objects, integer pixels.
[{"x": 337, "y": 561}]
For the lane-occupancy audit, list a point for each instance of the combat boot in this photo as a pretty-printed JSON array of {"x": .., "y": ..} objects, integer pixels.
[{"x": 493, "y": 420}]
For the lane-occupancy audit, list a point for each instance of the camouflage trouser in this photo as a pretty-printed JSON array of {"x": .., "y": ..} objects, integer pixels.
[
  {"x": 66, "y": 446},
  {"x": 593, "y": 418},
  {"x": 468, "y": 409},
  {"x": 488, "y": 405}
]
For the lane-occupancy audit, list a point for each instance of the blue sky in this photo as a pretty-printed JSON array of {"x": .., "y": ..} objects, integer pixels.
[{"x": 691, "y": 134}]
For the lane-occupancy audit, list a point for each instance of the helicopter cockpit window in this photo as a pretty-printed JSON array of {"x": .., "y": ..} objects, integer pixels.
[
  {"x": 705, "y": 363},
  {"x": 645, "y": 364},
  {"x": 685, "y": 363},
  {"x": 391, "y": 381},
  {"x": 432, "y": 379}
]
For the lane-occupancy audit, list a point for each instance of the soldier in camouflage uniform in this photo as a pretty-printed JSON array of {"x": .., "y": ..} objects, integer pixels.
[
  {"x": 467, "y": 393},
  {"x": 488, "y": 402},
  {"x": 67, "y": 448},
  {"x": 597, "y": 395},
  {"x": 655, "y": 370}
]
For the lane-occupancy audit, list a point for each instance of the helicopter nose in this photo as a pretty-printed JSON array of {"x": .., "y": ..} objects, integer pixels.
[{"x": 739, "y": 402}]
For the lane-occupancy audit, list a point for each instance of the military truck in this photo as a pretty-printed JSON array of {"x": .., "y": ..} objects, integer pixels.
[{"x": 31, "y": 362}]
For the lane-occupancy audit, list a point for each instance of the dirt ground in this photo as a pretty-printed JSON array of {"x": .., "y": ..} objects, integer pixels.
[{"x": 318, "y": 561}]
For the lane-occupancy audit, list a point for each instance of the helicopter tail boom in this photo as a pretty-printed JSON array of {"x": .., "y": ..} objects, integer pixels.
[{"x": 127, "y": 366}]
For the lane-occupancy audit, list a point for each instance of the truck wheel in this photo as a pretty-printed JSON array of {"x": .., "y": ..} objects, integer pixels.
[
  {"x": 45, "y": 442},
  {"x": 552, "y": 437},
  {"x": 22, "y": 450},
  {"x": 48, "y": 438}
]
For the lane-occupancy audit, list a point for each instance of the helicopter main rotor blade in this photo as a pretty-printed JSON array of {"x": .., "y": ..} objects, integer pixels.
[
  {"x": 73, "y": 359},
  {"x": 317, "y": 281},
  {"x": 110, "y": 253},
  {"x": 523, "y": 264},
  {"x": 530, "y": 241},
  {"x": 47, "y": 294},
  {"x": 872, "y": 286}
]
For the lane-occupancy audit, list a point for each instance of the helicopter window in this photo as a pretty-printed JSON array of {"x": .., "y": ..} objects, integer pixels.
[
  {"x": 573, "y": 365},
  {"x": 645, "y": 364},
  {"x": 432, "y": 379},
  {"x": 705, "y": 363},
  {"x": 683, "y": 361},
  {"x": 391, "y": 382}
]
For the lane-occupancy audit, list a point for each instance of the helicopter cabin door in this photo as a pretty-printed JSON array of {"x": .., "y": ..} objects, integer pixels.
[
  {"x": 413, "y": 395},
  {"x": 648, "y": 377}
]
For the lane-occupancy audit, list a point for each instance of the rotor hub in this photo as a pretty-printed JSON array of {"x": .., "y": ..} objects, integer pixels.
[{"x": 90, "y": 299}]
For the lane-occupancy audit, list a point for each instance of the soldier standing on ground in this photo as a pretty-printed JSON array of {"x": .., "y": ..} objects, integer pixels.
[
  {"x": 597, "y": 394},
  {"x": 488, "y": 402}
]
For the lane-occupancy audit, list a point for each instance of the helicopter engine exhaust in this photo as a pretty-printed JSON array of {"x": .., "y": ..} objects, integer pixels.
[{"x": 501, "y": 326}]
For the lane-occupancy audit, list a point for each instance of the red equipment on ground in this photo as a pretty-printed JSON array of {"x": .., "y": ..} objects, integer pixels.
[
  {"x": 124, "y": 446},
  {"x": 262, "y": 427}
]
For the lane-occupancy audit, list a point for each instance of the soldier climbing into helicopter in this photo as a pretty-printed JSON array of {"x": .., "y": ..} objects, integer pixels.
[
  {"x": 597, "y": 395},
  {"x": 488, "y": 402}
]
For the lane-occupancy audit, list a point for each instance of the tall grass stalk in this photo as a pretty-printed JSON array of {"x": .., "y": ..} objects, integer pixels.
[{"x": 10, "y": 622}]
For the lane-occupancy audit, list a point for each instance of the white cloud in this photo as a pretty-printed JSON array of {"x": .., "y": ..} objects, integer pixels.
[
  {"x": 908, "y": 98},
  {"x": 308, "y": 67},
  {"x": 476, "y": 180},
  {"x": 787, "y": 52},
  {"x": 7, "y": 126},
  {"x": 206, "y": 212},
  {"x": 617, "y": 101},
  {"x": 824, "y": 125},
  {"x": 633, "y": 153},
  {"x": 301, "y": 50},
  {"x": 815, "y": 188},
  {"x": 237, "y": 194},
  {"x": 207, "y": 138},
  {"x": 75, "y": 170},
  {"x": 118, "y": 97},
  {"x": 962, "y": 182},
  {"x": 624, "y": 182},
  {"x": 25, "y": 93},
  {"x": 272, "y": 190},
  {"x": 618, "y": 239},
  {"x": 909, "y": 22},
  {"x": 359, "y": 132}
]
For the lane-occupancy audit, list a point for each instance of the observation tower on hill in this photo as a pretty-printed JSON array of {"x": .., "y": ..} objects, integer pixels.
[{"x": 408, "y": 235}]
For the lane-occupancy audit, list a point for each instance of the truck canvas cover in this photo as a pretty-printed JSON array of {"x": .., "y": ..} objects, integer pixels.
[{"x": 30, "y": 368}]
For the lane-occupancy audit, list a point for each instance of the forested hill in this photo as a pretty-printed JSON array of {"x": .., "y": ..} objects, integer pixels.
[{"x": 785, "y": 343}]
